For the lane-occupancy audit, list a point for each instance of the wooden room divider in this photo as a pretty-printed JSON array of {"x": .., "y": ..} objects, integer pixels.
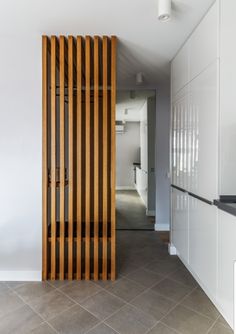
[{"x": 79, "y": 96}]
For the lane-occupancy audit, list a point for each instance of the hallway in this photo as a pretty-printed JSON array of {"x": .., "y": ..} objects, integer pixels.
[
  {"x": 131, "y": 212},
  {"x": 154, "y": 294}
]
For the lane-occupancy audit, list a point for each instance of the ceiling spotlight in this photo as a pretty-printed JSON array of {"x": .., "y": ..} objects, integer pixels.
[
  {"x": 164, "y": 10},
  {"x": 139, "y": 78}
]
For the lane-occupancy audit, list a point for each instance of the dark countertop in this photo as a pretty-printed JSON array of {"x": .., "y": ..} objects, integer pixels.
[{"x": 227, "y": 204}]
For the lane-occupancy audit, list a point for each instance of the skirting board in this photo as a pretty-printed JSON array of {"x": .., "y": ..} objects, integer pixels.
[
  {"x": 171, "y": 249},
  {"x": 162, "y": 227},
  {"x": 13, "y": 276},
  {"x": 125, "y": 188}
]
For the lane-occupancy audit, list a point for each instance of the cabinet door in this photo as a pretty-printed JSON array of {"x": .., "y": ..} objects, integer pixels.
[
  {"x": 203, "y": 243},
  {"x": 179, "y": 225},
  {"x": 179, "y": 70},
  {"x": 226, "y": 259},
  {"x": 203, "y": 106},
  {"x": 179, "y": 139},
  {"x": 203, "y": 43}
]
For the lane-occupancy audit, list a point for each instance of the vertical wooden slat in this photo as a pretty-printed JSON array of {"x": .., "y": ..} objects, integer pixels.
[
  {"x": 96, "y": 156},
  {"x": 105, "y": 160},
  {"x": 45, "y": 154},
  {"x": 62, "y": 157},
  {"x": 79, "y": 155},
  {"x": 71, "y": 158},
  {"x": 113, "y": 157},
  {"x": 53, "y": 157},
  {"x": 87, "y": 157}
]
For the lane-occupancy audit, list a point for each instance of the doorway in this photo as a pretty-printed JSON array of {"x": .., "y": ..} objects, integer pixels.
[{"x": 135, "y": 159}]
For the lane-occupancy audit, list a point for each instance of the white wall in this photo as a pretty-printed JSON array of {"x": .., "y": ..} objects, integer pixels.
[
  {"x": 162, "y": 158},
  {"x": 127, "y": 152},
  {"x": 21, "y": 163}
]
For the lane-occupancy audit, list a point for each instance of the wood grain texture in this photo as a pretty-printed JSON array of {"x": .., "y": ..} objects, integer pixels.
[
  {"x": 105, "y": 153},
  {"x": 96, "y": 157},
  {"x": 62, "y": 156},
  {"x": 113, "y": 157},
  {"x": 71, "y": 158},
  {"x": 45, "y": 154},
  {"x": 79, "y": 155},
  {"x": 53, "y": 157},
  {"x": 87, "y": 156}
]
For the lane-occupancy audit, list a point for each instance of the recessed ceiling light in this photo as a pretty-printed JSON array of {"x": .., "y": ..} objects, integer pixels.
[
  {"x": 139, "y": 78},
  {"x": 164, "y": 10}
]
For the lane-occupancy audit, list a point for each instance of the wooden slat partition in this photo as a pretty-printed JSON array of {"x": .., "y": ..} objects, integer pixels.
[
  {"x": 79, "y": 96},
  {"x": 53, "y": 157},
  {"x": 71, "y": 157},
  {"x": 45, "y": 52},
  {"x": 105, "y": 153},
  {"x": 62, "y": 157},
  {"x": 79, "y": 157},
  {"x": 87, "y": 157},
  {"x": 96, "y": 158}
]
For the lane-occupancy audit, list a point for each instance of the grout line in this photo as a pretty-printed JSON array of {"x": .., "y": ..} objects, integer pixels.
[
  {"x": 27, "y": 303},
  {"x": 213, "y": 325}
]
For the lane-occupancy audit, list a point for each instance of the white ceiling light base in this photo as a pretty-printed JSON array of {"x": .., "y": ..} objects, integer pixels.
[
  {"x": 164, "y": 10},
  {"x": 139, "y": 78}
]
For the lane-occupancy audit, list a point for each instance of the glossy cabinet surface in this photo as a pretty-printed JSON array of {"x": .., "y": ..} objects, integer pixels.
[
  {"x": 203, "y": 43},
  {"x": 203, "y": 243},
  {"x": 179, "y": 70},
  {"x": 179, "y": 227},
  {"x": 203, "y": 133},
  {"x": 226, "y": 259}
]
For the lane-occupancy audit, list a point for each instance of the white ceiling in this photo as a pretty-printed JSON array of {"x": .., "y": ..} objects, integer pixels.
[{"x": 145, "y": 44}]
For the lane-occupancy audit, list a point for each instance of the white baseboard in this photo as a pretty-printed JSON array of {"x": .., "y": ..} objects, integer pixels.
[
  {"x": 20, "y": 275},
  {"x": 125, "y": 188},
  {"x": 150, "y": 213},
  {"x": 171, "y": 249},
  {"x": 162, "y": 227}
]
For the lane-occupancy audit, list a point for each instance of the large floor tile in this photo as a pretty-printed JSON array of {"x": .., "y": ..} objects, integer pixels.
[
  {"x": 76, "y": 320},
  {"x": 172, "y": 289},
  {"x": 51, "y": 304},
  {"x": 125, "y": 289},
  {"x": 183, "y": 276},
  {"x": 144, "y": 277},
  {"x": 199, "y": 302},
  {"x": 9, "y": 301},
  {"x": 218, "y": 328},
  {"x": 130, "y": 320},
  {"x": 161, "y": 329},
  {"x": 33, "y": 290},
  {"x": 20, "y": 321},
  {"x": 187, "y": 321},
  {"x": 223, "y": 322},
  {"x": 102, "y": 329},
  {"x": 162, "y": 267},
  {"x": 80, "y": 290},
  {"x": 43, "y": 329},
  {"x": 3, "y": 288},
  {"x": 102, "y": 304},
  {"x": 153, "y": 304}
]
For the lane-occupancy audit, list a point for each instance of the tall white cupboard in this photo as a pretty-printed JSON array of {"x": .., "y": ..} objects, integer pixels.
[{"x": 203, "y": 153}]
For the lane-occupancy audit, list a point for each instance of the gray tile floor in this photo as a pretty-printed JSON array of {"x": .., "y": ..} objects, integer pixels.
[
  {"x": 153, "y": 294},
  {"x": 131, "y": 211}
]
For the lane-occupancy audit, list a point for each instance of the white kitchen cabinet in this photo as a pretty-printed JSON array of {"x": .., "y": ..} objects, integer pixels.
[
  {"x": 226, "y": 259},
  {"x": 203, "y": 43},
  {"x": 203, "y": 122},
  {"x": 179, "y": 70},
  {"x": 203, "y": 243},
  {"x": 179, "y": 139},
  {"x": 180, "y": 223}
]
